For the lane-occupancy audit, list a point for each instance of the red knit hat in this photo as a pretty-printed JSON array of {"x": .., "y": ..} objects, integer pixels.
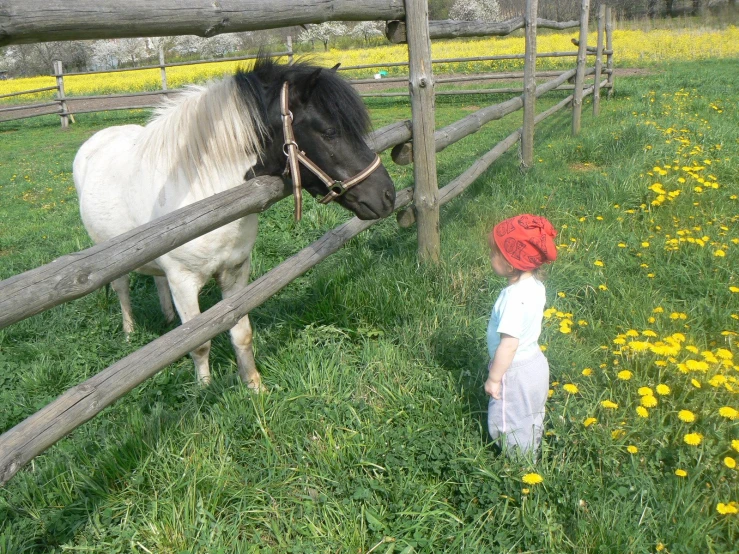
[{"x": 526, "y": 241}]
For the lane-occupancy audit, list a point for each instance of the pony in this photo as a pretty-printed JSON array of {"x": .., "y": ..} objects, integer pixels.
[{"x": 273, "y": 120}]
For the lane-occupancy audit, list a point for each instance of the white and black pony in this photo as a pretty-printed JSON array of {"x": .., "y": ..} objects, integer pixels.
[{"x": 209, "y": 139}]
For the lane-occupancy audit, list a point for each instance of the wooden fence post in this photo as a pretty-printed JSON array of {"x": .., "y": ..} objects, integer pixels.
[
  {"x": 58, "y": 73},
  {"x": 290, "y": 49},
  {"x": 162, "y": 69},
  {"x": 609, "y": 47},
  {"x": 599, "y": 59},
  {"x": 421, "y": 86},
  {"x": 529, "y": 85},
  {"x": 581, "y": 61}
]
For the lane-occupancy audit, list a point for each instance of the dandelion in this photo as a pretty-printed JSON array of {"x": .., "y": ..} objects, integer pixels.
[
  {"x": 532, "y": 479},
  {"x": 608, "y": 404},
  {"x": 686, "y": 415},
  {"x": 693, "y": 439},
  {"x": 587, "y": 372},
  {"x": 724, "y": 354},
  {"x": 730, "y": 508},
  {"x": 572, "y": 389},
  {"x": 663, "y": 389},
  {"x": 631, "y": 449},
  {"x": 681, "y": 473},
  {"x": 730, "y": 462},
  {"x": 602, "y": 287},
  {"x": 598, "y": 263},
  {"x": 624, "y": 375},
  {"x": 645, "y": 391},
  {"x": 728, "y": 412},
  {"x": 648, "y": 401},
  {"x": 589, "y": 421},
  {"x": 641, "y": 411},
  {"x": 735, "y": 444}
]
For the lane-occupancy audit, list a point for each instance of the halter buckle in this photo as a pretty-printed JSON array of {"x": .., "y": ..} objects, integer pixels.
[{"x": 338, "y": 188}]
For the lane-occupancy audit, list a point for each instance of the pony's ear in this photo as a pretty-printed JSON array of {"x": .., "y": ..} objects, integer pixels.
[
  {"x": 336, "y": 67},
  {"x": 310, "y": 84}
]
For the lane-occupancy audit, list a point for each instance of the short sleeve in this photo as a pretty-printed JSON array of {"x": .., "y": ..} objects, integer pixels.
[{"x": 511, "y": 315}]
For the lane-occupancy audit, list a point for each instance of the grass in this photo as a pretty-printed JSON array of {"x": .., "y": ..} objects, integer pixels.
[{"x": 372, "y": 436}]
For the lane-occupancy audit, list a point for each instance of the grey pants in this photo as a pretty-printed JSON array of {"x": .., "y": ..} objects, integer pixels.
[{"x": 517, "y": 419}]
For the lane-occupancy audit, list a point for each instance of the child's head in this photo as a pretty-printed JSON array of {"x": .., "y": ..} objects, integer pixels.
[{"x": 521, "y": 244}]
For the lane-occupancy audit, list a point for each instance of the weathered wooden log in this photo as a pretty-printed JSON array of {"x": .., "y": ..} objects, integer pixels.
[
  {"x": 81, "y": 403},
  {"x": 80, "y": 273},
  {"x": 599, "y": 59},
  {"x": 29, "y": 106},
  {"x": 529, "y": 85},
  {"x": 460, "y": 78},
  {"x": 395, "y": 31},
  {"x": 474, "y": 122},
  {"x": 421, "y": 87},
  {"x": 406, "y": 217},
  {"x": 25, "y": 21},
  {"x": 22, "y": 92},
  {"x": 581, "y": 60}
]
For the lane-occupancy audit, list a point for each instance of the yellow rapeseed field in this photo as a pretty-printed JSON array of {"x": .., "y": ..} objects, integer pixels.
[{"x": 633, "y": 48}]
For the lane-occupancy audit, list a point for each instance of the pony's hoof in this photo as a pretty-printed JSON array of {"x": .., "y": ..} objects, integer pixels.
[
  {"x": 204, "y": 380},
  {"x": 256, "y": 387}
]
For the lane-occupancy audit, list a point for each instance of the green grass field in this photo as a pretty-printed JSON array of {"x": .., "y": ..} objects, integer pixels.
[{"x": 372, "y": 436}]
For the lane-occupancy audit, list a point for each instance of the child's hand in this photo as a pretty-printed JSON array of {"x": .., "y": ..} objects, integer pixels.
[{"x": 492, "y": 388}]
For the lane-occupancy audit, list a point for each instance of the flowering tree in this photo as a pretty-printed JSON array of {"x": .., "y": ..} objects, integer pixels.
[
  {"x": 367, "y": 29},
  {"x": 475, "y": 10},
  {"x": 323, "y": 32},
  {"x": 214, "y": 47}
]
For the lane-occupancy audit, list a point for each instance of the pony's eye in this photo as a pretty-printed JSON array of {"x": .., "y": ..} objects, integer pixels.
[{"x": 329, "y": 133}]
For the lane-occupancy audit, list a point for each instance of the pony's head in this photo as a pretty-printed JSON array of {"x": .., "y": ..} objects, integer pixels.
[{"x": 329, "y": 121}]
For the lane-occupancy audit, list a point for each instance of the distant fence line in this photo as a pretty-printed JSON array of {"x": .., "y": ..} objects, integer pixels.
[{"x": 73, "y": 275}]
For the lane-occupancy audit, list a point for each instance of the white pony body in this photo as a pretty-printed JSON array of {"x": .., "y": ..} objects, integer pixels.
[{"x": 125, "y": 177}]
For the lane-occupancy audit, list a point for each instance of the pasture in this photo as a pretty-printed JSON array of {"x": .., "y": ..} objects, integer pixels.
[{"x": 372, "y": 435}]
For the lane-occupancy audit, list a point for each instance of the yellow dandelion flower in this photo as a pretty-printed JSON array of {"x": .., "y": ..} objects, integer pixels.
[
  {"x": 645, "y": 391},
  {"x": 598, "y": 263},
  {"x": 696, "y": 365},
  {"x": 730, "y": 508},
  {"x": 734, "y": 289},
  {"x": 589, "y": 421},
  {"x": 686, "y": 415},
  {"x": 641, "y": 411},
  {"x": 724, "y": 354},
  {"x": 648, "y": 401},
  {"x": 658, "y": 310},
  {"x": 572, "y": 389},
  {"x": 663, "y": 389},
  {"x": 695, "y": 383},
  {"x": 624, "y": 375},
  {"x": 730, "y": 462},
  {"x": 735, "y": 444},
  {"x": 719, "y": 253},
  {"x": 616, "y": 433},
  {"x": 649, "y": 333},
  {"x": 602, "y": 287},
  {"x": 681, "y": 473},
  {"x": 691, "y": 348},
  {"x": 728, "y": 412},
  {"x": 587, "y": 372},
  {"x": 631, "y": 449},
  {"x": 632, "y": 333},
  {"x": 693, "y": 439},
  {"x": 609, "y": 404},
  {"x": 532, "y": 479}
]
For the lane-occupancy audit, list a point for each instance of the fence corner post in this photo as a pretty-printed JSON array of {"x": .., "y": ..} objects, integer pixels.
[
  {"x": 529, "y": 85},
  {"x": 609, "y": 48},
  {"x": 599, "y": 60},
  {"x": 59, "y": 74},
  {"x": 421, "y": 87},
  {"x": 162, "y": 67},
  {"x": 289, "y": 49},
  {"x": 581, "y": 62}
]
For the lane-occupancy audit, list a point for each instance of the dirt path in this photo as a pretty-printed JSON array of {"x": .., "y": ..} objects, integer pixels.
[{"x": 102, "y": 104}]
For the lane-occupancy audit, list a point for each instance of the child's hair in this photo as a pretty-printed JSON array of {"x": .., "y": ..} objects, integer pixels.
[{"x": 515, "y": 274}]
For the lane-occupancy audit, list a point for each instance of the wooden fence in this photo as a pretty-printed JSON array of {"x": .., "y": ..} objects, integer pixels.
[{"x": 77, "y": 274}]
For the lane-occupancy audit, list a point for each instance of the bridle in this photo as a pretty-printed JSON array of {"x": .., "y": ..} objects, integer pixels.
[{"x": 295, "y": 157}]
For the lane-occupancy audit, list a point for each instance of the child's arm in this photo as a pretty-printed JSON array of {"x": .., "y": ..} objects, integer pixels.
[{"x": 500, "y": 364}]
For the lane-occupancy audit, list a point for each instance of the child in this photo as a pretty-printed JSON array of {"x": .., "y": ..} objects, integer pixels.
[{"x": 518, "y": 374}]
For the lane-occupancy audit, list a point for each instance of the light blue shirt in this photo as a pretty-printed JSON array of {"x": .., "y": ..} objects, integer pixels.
[{"x": 518, "y": 312}]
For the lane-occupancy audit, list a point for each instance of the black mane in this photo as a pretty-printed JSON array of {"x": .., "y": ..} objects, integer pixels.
[{"x": 332, "y": 95}]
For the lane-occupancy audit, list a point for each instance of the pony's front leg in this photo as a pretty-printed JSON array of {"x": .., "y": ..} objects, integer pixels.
[
  {"x": 232, "y": 281},
  {"x": 121, "y": 286},
  {"x": 185, "y": 288}
]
